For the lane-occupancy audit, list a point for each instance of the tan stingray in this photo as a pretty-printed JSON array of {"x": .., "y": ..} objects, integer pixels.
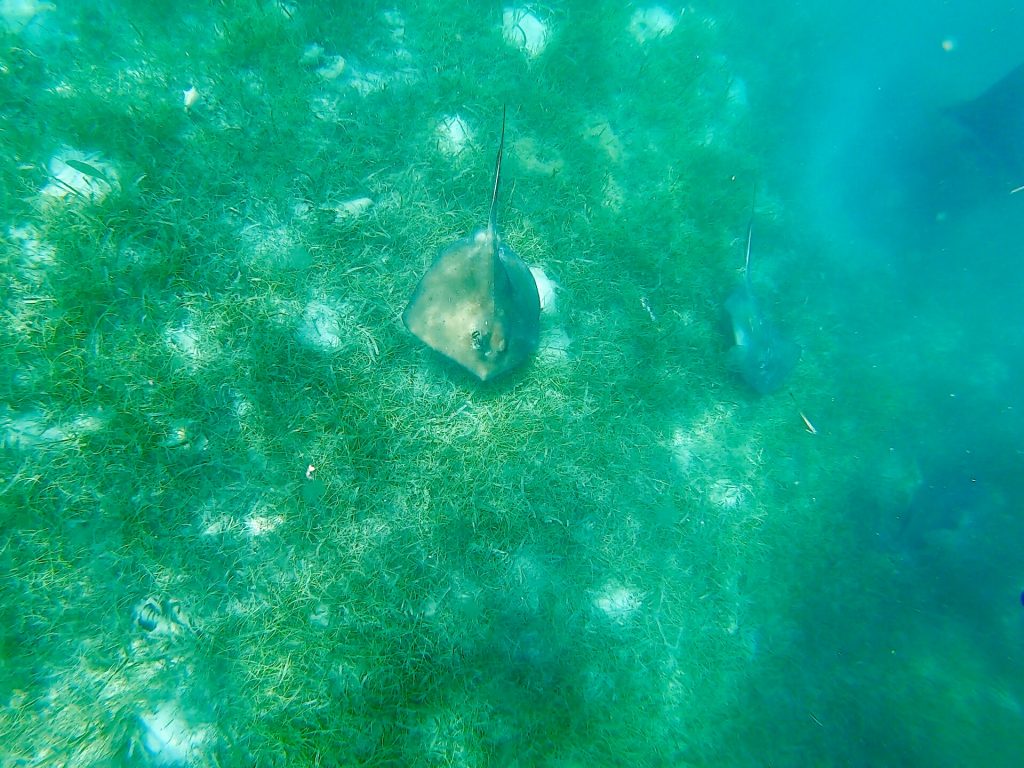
[{"x": 478, "y": 302}]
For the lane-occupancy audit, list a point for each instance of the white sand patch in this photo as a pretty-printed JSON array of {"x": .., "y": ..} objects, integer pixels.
[
  {"x": 523, "y": 30},
  {"x": 722, "y": 463},
  {"x": 617, "y": 602},
  {"x": 453, "y": 134},
  {"x": 394, "y": 65},
  {"x": 167, "y": 738},
  {"x": 367, "y": 82},
  {"x": 241, "y": 405},
  {"x": 683, "y": 448},
  {"x": 311, "y": 54},
  {"x": 599, "y": 132},
  {"x": 261, "y": 525},
  {"x": 220, "y": 516},
  {"x": 648, "y": 24},
  {"x": 267, "y": 242},
  {"x": 182, "y": 434},
  {"x": 184, "y": 339},
  {"x": 275, "y": 246},
  {"x": 28, "y": 430},
  {"x": 395, "y": 22},
  {"x": 534, "y": 157},
  {"x": 17, "y": 15},
  {"x": 737, "y": 95},
  {"x": 554, "y": 345},
  {"x": 218, "y": 525},
  {"x": 320, "y": 616},
  {"x": 726, "y": 494},
  {"x": 88, "y": 423},
  {"x": 352, "y": 208},
  {"x": 703, "y": 439},
  {"x": 262, "y": 519},
  {"x": 613, "y": 197},
  {"x": 332, "y": 68},
  {"x": 547, "y": 290},
  {"x": 36, "y": 255},
  {"x": 322, "y": 326},
  {"x": 82, "y": 176}
]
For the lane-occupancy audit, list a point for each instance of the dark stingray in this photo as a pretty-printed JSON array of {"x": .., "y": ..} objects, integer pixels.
[
  {"x": 478, "y": 304},
  {"x": 910, "y": 170},
  {"x": 761, "y": 356},
  {"x": 995, "y": 124},
  {"x": 946, "y": 503}
]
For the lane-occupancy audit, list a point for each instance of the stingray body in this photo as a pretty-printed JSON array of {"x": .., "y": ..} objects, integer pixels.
[
  {"x": 478, "y": 303},
  {"x": 761, "y": 356}
]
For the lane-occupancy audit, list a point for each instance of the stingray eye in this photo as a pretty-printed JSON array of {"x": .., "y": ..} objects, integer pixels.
[{"x": 476, "y": 339}]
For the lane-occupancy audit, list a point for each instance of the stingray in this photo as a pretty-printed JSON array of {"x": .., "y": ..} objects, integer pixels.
[
  {"x": 478, "y": 303},
  {"x": 995, "y": 122},
  {"x": 761, "y": 356}
]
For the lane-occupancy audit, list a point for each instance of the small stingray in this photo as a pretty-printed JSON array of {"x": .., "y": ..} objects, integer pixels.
[
  {"x": 761, "y": 356},
  {"x": 478, "y": 303}
]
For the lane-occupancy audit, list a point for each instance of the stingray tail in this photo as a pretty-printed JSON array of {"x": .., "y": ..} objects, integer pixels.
[
  {"x": 750, "y": 234},
  {"x": 492, "y": 220}
]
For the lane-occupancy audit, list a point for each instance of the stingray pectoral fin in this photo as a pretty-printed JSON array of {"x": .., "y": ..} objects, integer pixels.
[
  {"x": 996, "y": 120},
  {"x": 518, "y": 300},
  {"x": 773, "y": 366},
  {"x": 451, "y": 306},
  {"x": 766, "y": 364},
  {"x": 477, "y": 305},
  {"x": 744, "y": 316}
]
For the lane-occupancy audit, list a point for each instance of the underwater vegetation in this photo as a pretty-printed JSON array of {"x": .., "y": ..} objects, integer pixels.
[{"x": 248, "y": 518}]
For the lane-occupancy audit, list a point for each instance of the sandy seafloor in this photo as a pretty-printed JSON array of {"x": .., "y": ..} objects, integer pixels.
[{"x": 247, "y": 519}]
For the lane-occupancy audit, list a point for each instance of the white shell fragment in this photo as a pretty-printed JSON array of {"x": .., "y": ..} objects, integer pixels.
[
  {"x": 525, "y": 31},
  {"x": 547, "y": 290},
  {"x": 648, "y": 24},
  {"x": 453, "y": 134},
  {"x": 353, "y": 208}
]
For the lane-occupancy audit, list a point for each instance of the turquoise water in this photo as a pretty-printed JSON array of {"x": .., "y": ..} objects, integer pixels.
[{"x": 246, "y": 518}]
